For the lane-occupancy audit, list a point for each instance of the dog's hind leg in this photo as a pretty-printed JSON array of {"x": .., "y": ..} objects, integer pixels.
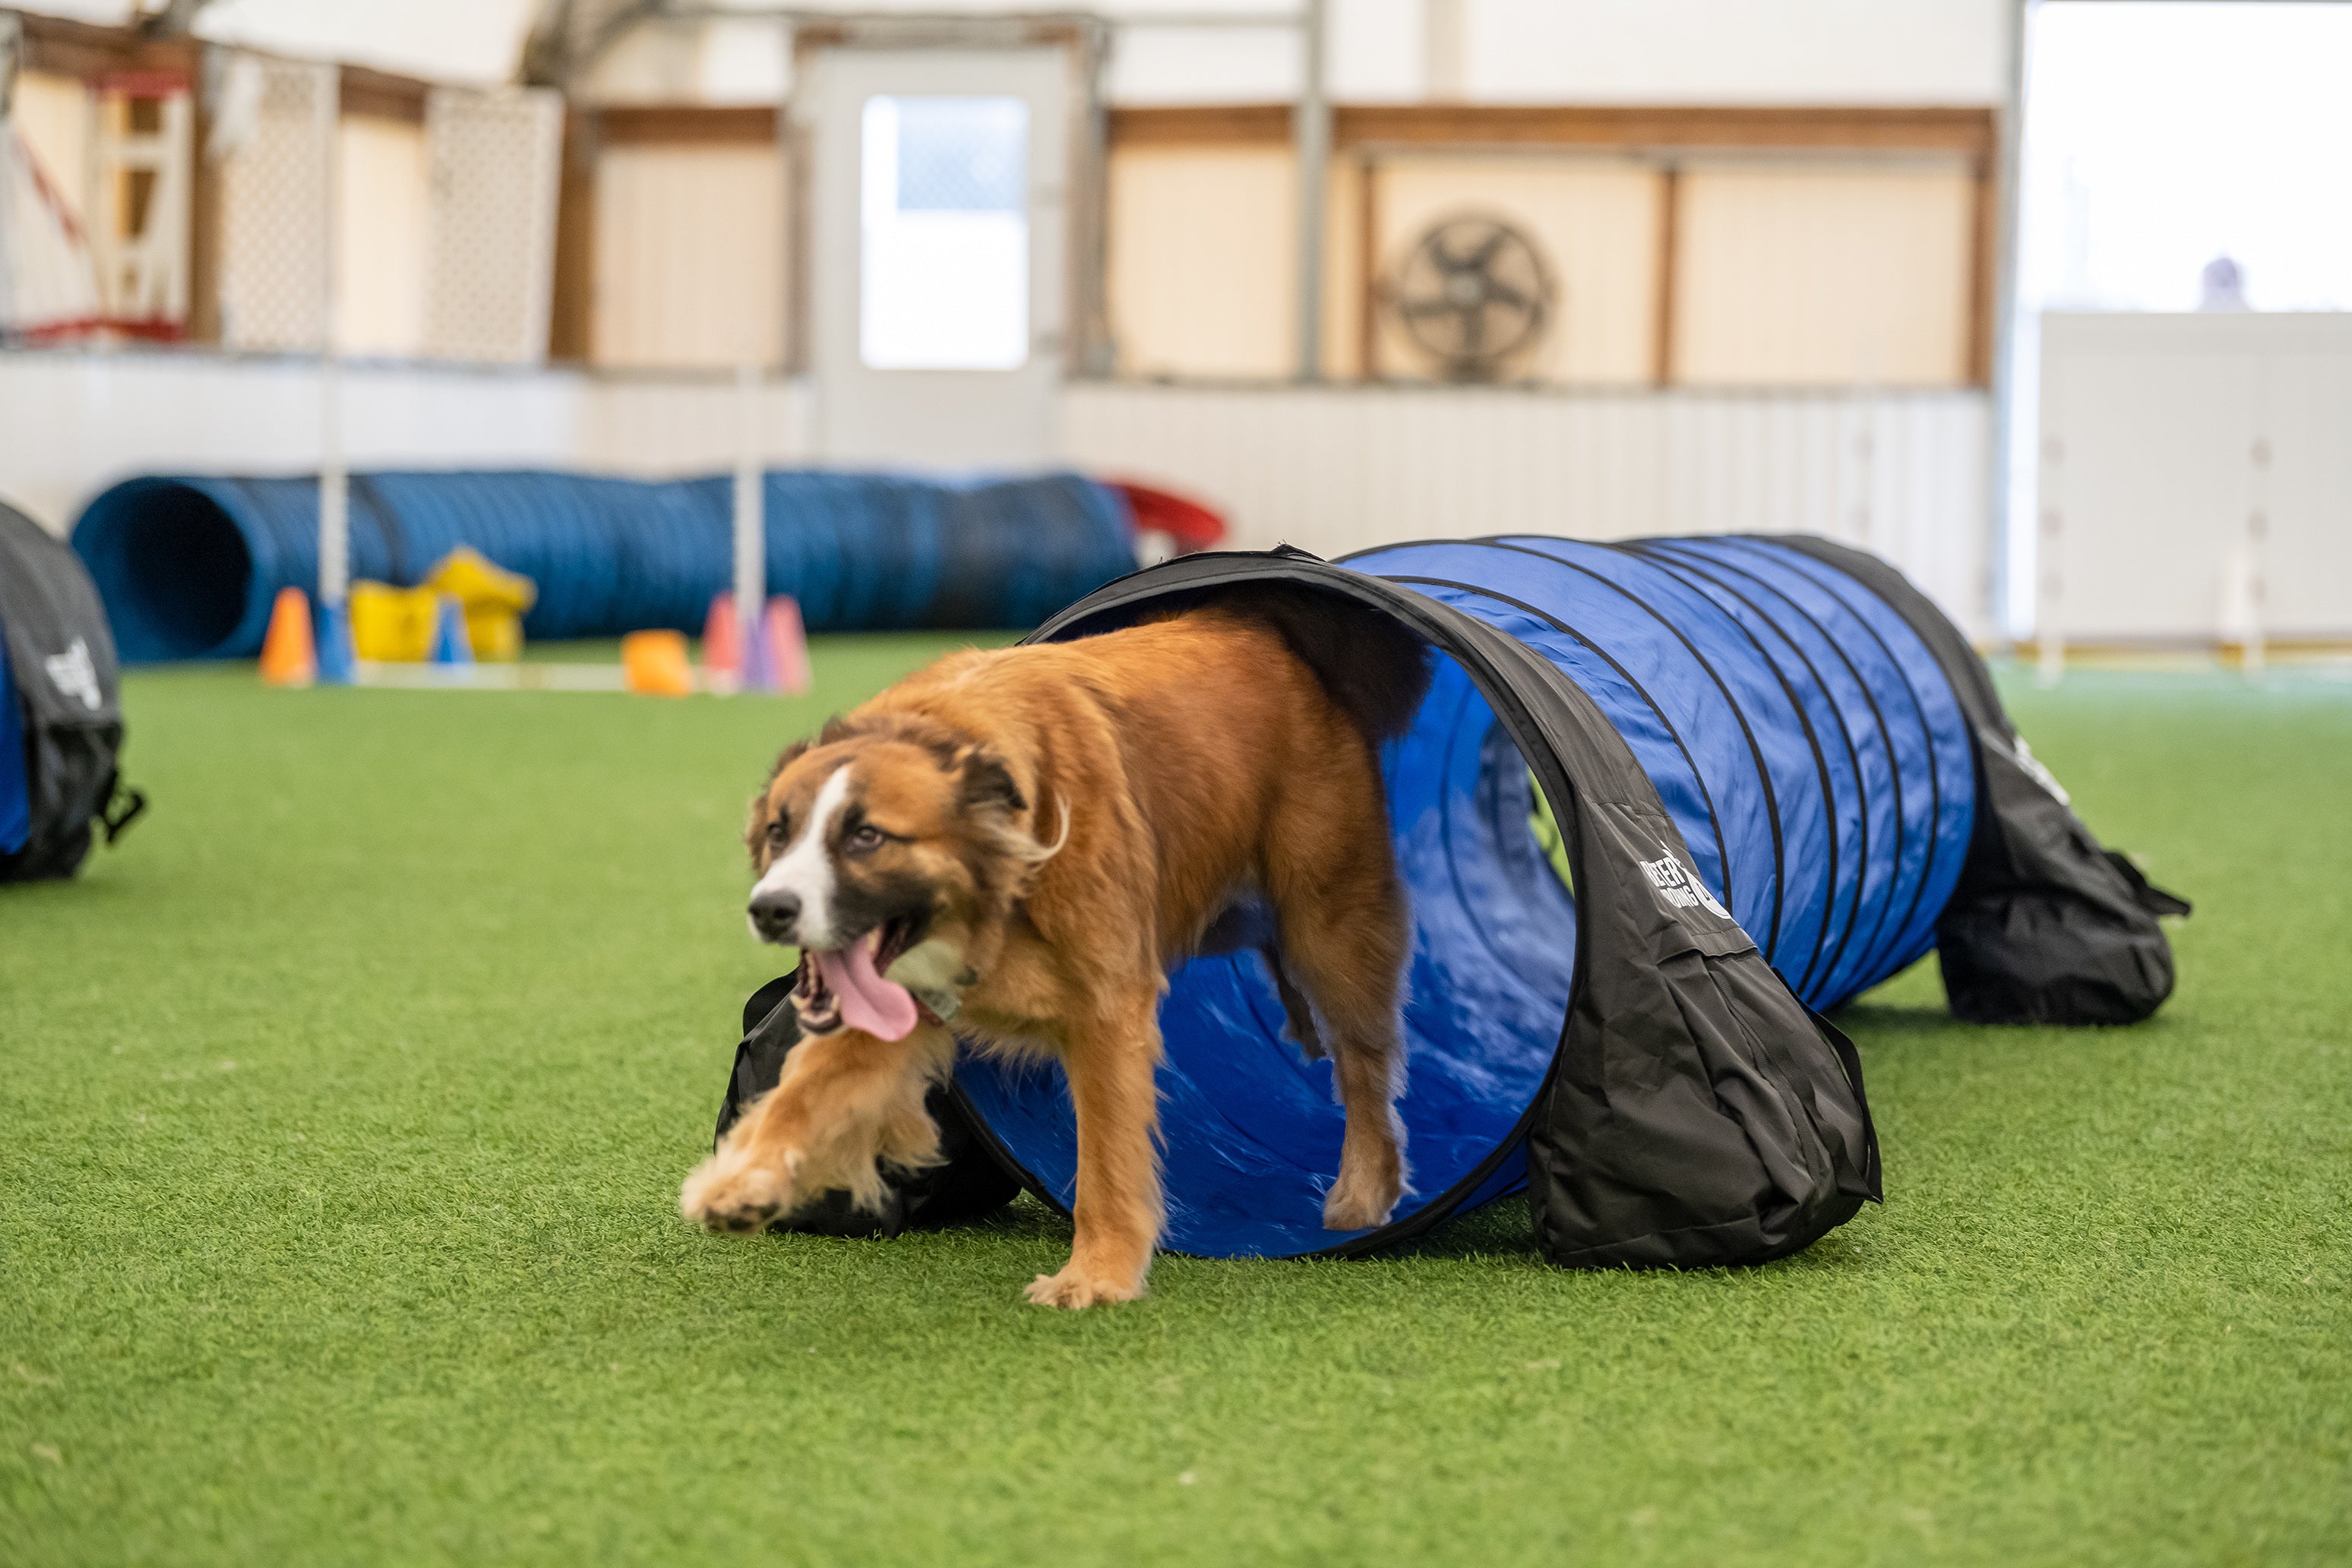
[
  {"x": 1248, "y": 923},
  {"x": 1295, "y": 1006},
  {"x": 1110, "y": 1061},
  {"x": 1345, "y": 935}
]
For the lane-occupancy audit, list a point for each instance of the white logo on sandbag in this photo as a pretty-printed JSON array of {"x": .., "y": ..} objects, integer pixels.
[
  {"x": 2039, "y": 774},
  {"x": 72, "y": 674},
  {"x": 1679, "y": 887}
]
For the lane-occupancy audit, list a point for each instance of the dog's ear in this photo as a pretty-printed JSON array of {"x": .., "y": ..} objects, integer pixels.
[
  {"x": 987, "y": 782},
  {"x": 786, "y": 758}
]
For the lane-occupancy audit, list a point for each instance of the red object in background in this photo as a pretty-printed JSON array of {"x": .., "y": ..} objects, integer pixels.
[
  {"x": 787, "y": 646},
  {"x": 722, "y": 649},
  {"x": 1191, "y": 525}
]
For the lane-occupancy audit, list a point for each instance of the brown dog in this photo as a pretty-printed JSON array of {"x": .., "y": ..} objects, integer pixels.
[{"x": 1024, "y": 841}]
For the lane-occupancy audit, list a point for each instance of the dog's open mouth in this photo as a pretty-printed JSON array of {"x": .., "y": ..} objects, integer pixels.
[{"x": 844, "y": 987}]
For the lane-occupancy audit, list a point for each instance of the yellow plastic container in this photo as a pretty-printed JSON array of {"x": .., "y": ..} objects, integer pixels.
[
  {"x": 494, "y": 600},
  {"x": 394, "y": 626}
]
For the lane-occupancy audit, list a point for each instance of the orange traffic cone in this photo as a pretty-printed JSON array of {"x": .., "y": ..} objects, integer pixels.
[
  {"x": 290, "y": 654},
  {"x": 655, "y": 663},
  {"x": 788, "y": 656}
]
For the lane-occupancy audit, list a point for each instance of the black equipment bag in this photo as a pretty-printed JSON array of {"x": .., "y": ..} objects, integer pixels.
[
  {"x": 60, "y": 658},
  {"x": 967, "y": 1184},
  {"x": 2046, "y": 926}
]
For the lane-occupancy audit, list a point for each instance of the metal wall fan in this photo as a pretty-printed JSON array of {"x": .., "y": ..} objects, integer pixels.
[{"x": 1473, "y": 294}]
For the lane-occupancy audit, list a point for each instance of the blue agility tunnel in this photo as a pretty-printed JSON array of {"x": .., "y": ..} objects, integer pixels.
[
  {"x": 189, "y": 567},
  {"x": 1780, "y": 774}
]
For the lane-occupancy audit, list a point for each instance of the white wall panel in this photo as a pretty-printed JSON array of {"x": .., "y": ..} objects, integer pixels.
[
  {"x": 1337, "y": 469},
  {"x": 1737, "y": 51},
  {"x": 1204, "y": 65},
  {"x": 2164, "y": 439},
  {"x": 659, "y": 425}
]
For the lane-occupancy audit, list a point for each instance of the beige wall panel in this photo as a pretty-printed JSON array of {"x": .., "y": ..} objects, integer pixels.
[
  {"x": 382, "y": 196},
  {"x": 1204, "y": 261},
  {"x": 1596, "y": 224},
  {"x": 52, "y": 114},
  {"x": 1823, "y": 277},
  {"x": 689, "y": 256},
  {"x": 1343, "y": 272}
]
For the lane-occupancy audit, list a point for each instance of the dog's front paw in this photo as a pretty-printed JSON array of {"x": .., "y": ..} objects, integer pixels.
[
  {"x": 1363, "y": 1202},
  {"x": 730, "y": 1192},
  {"x": 1075, "y": 1286}
]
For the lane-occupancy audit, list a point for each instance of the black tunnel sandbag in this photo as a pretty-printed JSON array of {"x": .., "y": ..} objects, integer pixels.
[
  {"x": 1691, "y": 1110},
  {"x": 60, "y": 708},
  {"x": 966, "y": 1184},
  {"x": 189, "y": 567},
  {"x": 2046, "y": 926}
]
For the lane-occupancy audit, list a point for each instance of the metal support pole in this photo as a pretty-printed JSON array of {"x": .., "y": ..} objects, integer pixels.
[
  {"x": 2005, "y": 539},
  {"x": 1311, "y": 135},
  {"x": 334, "y": 475},
  {"x": 334, "y": 486},
  {"x": 750, "y": 512}
]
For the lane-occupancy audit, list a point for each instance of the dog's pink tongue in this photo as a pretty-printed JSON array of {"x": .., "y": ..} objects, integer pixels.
[{"x": 883, "y": 1008}]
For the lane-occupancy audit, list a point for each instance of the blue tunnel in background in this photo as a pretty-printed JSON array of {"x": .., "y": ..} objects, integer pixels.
[
  {"x": 189, "y": 567},
  {"x": 1801, "y": 735}
]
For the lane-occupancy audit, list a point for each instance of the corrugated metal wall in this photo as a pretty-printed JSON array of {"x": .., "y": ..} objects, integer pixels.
[
  {"x": 1330, "y": 469},
  {"x": 1335, "y": 469}
]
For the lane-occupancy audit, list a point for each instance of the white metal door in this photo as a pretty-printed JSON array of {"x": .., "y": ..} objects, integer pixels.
[{"x": 937, "y": 254}]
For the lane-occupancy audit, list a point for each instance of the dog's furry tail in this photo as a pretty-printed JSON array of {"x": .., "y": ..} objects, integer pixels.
[{"x": 1373, "y": 668}]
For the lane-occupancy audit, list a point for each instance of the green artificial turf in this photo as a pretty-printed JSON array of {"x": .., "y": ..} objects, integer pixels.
[{"x": 345, "y": 1104}]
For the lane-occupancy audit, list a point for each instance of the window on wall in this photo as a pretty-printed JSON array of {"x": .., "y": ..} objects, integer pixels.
[
  {"x": 943, "y": 274},
  {"x": 2186, "y": 155}
]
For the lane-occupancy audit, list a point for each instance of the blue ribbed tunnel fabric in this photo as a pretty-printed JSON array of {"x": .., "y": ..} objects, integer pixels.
[
  {"x": 1797, "y": 731},
  {"x": 189, "y": 567}
]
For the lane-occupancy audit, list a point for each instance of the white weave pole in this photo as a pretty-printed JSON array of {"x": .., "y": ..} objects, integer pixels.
[
  {"x": 751, "y": 515},
  {"x": 334, "y": 476},
  {"x": 334, "y": 486},
  {"x": 2255, "y": 653}
]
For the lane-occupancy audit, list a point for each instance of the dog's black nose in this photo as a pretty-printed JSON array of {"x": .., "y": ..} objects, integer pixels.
[{"x": 775, "y": 912}]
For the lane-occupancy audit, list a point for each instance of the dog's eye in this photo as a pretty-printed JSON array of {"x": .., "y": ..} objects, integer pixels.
[
  {"x": 776, "y": 831},
  {"x": 865, "y": 837}
]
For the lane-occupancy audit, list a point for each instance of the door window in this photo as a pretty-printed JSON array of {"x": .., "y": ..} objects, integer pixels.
[{"x": 943, "y": 270}]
